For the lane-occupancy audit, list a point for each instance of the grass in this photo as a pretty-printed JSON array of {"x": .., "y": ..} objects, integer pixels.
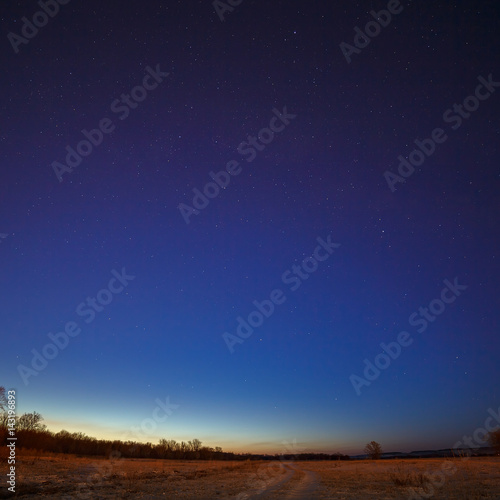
[
  {"x": 64, "y": 476},
  {"x": 405, "y": 477},
  {"x": 450, "y": 479}
]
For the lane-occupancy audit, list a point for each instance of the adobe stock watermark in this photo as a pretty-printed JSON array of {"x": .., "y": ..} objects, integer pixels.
[
  {"x": 222, "y": 7},
  {"x": 455, "y": 116},
  {"x": 362, "y": 39},
  {"x": 122, "y": 107},
  {"x": 88, "y": 309},
  {"x": 10, "y": 427},
  {"x": 104, "y": 469},
  {"x": 249, "y": 149},
  {"x": 294, "y": 278},
  {"x": 392, "y": 350},
  {"x": 149, "y": 425},
  {"x": 40, "y": 18},
  {"x": 448, "y": 468}
]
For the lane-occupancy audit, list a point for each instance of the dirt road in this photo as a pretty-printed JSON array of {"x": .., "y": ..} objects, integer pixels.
[{"x": 295, "y": 484}]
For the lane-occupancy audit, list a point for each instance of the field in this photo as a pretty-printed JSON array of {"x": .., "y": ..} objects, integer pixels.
[{"x": 70, "y": 477}]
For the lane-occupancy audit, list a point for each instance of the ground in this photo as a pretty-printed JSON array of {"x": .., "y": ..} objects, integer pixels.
[{"x": 73, "y": 478}]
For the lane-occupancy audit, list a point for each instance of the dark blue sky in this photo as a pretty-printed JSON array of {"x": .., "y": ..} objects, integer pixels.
[{"x": 168, "y": 95}]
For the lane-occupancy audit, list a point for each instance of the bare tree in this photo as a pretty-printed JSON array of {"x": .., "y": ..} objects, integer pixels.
[
  {"x": 31, "y": 422},
  {"x": 373, "y": 450},
  {"x": 3, "y": 400},
  {"x": 4, "y": 416}
]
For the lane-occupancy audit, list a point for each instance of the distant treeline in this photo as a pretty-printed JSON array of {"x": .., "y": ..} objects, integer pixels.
[
  {"x": 80, "y": 444},
  {"x": 32, "y": 434}
]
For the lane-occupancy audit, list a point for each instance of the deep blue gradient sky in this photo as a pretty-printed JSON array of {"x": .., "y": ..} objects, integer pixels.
[{"x": 321, "y": 176}]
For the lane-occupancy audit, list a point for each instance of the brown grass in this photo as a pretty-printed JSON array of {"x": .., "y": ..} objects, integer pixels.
[
  {"x": 436, "y": 478},
  {"x": 404, "y": 477},
  {"x": 72, "y": 477}
]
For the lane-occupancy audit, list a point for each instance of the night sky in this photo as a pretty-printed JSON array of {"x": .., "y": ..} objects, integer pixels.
[{"x": 209, "y": 227}]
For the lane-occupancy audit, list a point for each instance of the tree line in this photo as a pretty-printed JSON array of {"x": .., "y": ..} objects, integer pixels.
[{"x": 33, "y": 434}]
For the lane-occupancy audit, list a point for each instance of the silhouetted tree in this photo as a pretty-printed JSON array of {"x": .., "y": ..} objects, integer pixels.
[
  {"x": 3, "y": 416},
  {"x": 3, "y": 400},
  {"x": 373, "y": 450},
  {"x": 31, "y": 422},
  {"x": 3, "y": 409}
]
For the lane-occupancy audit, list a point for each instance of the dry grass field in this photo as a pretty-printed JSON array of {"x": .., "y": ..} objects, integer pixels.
[{"x": 70, "y": 477}]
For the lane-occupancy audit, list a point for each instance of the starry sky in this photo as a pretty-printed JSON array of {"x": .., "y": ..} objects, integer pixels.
[{"x": 173, "y": 173}]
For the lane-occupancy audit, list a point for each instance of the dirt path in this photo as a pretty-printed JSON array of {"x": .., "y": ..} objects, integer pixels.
[
  {"x": 296, "y": 484},
  {"x": 305, "y": 486}
]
